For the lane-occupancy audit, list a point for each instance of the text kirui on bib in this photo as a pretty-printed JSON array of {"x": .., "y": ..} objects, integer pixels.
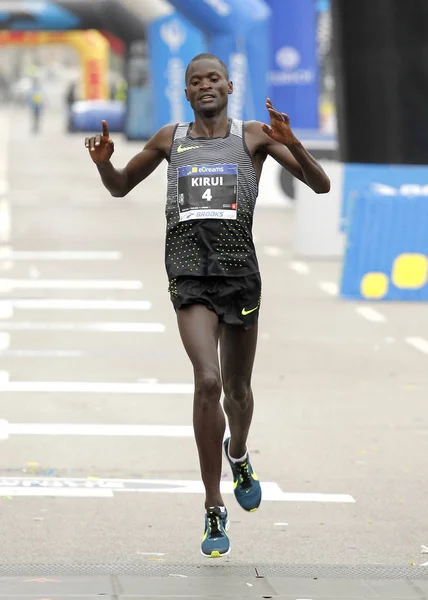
[{"x": 207, "y": 192}]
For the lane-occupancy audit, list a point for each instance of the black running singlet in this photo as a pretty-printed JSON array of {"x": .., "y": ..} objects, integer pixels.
[{"x": 212, "y": 192}]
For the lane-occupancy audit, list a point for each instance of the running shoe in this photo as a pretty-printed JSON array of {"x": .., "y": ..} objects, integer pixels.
[
  {"x": 246, "y": 485},
  {"x": 215, "y": 542}
]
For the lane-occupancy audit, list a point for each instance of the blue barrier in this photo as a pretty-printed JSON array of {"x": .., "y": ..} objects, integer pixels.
[
  {"x": 294, "y": 72},
  {"x": 386, "y": 255},
  {"x": 173, "y": 42},
  {"x": 386, "y": 180}
]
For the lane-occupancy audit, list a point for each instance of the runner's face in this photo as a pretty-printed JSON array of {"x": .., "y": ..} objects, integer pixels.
[{"x": 207, "y": 87}]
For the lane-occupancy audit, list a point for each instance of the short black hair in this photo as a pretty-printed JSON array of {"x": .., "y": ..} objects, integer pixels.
[{"x": 211, "y": 56}]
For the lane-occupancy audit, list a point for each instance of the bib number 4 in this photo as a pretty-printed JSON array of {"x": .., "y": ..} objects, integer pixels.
[{"x": 207, "y": 195}]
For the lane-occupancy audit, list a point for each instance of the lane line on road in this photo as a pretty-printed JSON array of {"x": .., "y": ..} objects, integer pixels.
[
  {"x": 418, "y": 343},
  {"x": 299, "y": 267},
  {"x": 273, "y": 251},
  {"x": 10, "y": 486},
  {"x": 6, "y": 310},
  {"x": 69, "y": 284},
  {"x": 24, "y": 353},
  {"x": 82, "y": 326},
  {"x": 4, "y": 341},
  {"x": 329, "y": 287},
  {"x": 52, "y": 255},
  {"x": 7, "y": 306},
  {"x": 88, "y": 429},
  {"x": 370, "y": 314},
  {"x": 91, "y": 387}
]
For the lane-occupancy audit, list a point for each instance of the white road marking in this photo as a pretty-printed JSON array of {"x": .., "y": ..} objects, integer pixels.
[
  {"x": 4, "y": 341},
  {"x": 91, "y": 387},
  {"x": 57, "y": 492},
  {"x": 23, "y": 255},
  {"x": 42, "y": 353},
  {"x": 6, "y": 310},
  {"x": 72, "y": 304},
  {"x": 4, "y": 377},
  {"x": 418, "y": 343},
  {"x": 329, "y": 287},
  {"x": 5, "y": 217},
  {"x": 82, "y": 326},
  {"x": 370, "y": 314},
  {"x": 299, "y": 267},
  {"x": 271, "y": 491},
  {"x": 84, "y": 429},
  {"x": 69, "y": 284},
  {"x": 273, "y": 251}
]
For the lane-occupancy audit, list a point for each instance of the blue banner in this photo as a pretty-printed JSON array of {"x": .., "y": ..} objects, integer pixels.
[
  {"x": 173, "y": 42},
  {"x": 293, "y": 72},
  {"x": 26, "y": 15},
  {"x": 238, "y": 33}
]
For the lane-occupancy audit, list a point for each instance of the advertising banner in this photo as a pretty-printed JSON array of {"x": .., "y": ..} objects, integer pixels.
[
  {"x": 293, "y": 71},
  {"x": 173, "y": 42},
  {"x": 238, "y": 33}
]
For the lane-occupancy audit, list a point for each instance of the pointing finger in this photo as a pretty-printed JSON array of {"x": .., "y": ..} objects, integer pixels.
[{"x": 105, "y": 129}]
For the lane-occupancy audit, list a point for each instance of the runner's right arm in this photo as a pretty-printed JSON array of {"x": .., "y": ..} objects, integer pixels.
[{"x": 120, "y": 182}]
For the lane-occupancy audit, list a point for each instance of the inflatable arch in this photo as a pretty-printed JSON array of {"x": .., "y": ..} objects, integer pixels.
[{"x": 91, "y": 45}]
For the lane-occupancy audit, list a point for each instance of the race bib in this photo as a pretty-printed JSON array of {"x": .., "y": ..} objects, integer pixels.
[{"x": 207, "y": 192}]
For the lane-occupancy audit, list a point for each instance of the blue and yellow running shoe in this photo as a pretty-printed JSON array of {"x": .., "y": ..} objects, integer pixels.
[
  {"x": 215, "y": 542},
  {"x": 246, "y": 485}
]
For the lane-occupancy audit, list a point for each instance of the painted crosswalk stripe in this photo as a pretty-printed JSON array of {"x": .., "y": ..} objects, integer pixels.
[
  {"x": 91, "y": 387},
  {"x": 11, "y": 486},
  {"x": 69, "y": 284},
  {"x": 24, "y": 255},
  {"x": 88, "y": 429},
  {"x": 82, "y": 326},
  {"x": 418, "y": 343},
  {"x": 7, "y": 306}
]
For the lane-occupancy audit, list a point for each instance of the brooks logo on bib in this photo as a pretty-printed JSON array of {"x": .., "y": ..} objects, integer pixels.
[{"x": 207, "y": 192}]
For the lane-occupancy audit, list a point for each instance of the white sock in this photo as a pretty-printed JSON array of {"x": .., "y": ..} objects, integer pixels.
[{"x": 237, "y": 460}]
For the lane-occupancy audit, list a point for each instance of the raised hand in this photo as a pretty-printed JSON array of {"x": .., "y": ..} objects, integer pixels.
[
  {"x": 279, "y": 129},
  {"x": 100, "y": 147}
]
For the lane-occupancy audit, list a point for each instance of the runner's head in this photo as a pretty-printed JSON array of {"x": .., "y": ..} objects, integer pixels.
[{"x": 207, "y": 84}]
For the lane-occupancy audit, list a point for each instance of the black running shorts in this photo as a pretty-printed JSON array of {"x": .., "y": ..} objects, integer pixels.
[{"x": 235, "y": 300}]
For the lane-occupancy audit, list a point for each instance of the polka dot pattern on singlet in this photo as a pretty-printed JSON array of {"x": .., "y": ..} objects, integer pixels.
[{"x": 205, "y": 247}]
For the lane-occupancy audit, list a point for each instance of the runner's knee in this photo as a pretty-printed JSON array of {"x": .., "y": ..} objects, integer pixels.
[
  {"x": 237, "y": 390},
  {"x": 207, "y": 387}
]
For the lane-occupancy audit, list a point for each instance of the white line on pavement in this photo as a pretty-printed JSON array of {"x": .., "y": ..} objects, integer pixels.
[
  {"x": 7, "y": 429},
  {"x": 96, "y": 387},
  {"x": 418, "y": 343},
  {"x": 299, "y": 267},
  {"x": 81, "y": 326},
  {"x": 273, "y": 251},
  {"x": 329, "y": 287},
  {"x": 23, "y": 255},
  {"x": 19, "y": 353},
  {"x": 370, "y": 314},
  {"x": 10, "y": 486},
  {"x": 71, "y": 304},
  {"x": 6, "y": 310},
  {"x": 4, "y": 341},
  {"x": 69, "y": 284}
]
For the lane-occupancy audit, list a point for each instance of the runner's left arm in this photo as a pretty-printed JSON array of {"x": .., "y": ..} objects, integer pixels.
[{"x": 279, "y": 141}]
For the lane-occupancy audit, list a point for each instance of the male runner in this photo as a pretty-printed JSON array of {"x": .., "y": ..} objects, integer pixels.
[{"x": 215, "y": 164}]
